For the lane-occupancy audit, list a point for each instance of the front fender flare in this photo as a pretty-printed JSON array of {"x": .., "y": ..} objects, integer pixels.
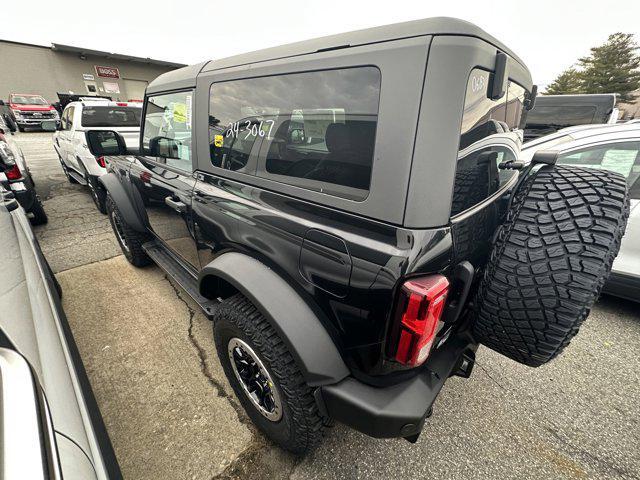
[
  {"x": 125, "y": 206},
  {"x": 291, "y": 316}
]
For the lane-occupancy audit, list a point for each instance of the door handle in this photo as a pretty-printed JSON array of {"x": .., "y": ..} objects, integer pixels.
[{"x": 177, "y": 205}]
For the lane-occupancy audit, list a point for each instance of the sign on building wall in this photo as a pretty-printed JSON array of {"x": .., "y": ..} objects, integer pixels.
[
  {"x": 107, "y": 72},
  {"x": 111, "y": 87},
  {"x": 87, "y": 76}
]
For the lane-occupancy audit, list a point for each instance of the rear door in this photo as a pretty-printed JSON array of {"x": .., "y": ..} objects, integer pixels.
[
  {"x": 163, "y": 175},
  {"x": 63, "y": 134}
]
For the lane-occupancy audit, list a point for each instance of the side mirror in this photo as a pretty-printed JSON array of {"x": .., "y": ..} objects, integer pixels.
[
  {"x": 26, "y": 422},
  {"x": 49, "y": 125},
  {"x": 164, "y": 147},
  {"x": 546, "y": 157},
  {"x": 105, "y": 142},
  {"x": 10, "y": 122}
]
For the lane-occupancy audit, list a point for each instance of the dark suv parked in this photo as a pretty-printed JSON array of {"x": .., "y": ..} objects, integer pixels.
[{"x": 351, "y": 213}]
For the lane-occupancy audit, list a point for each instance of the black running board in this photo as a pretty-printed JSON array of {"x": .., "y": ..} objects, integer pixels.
[
  {"x": 77, "y": 177},
  {"x": 179, "y": 273}
]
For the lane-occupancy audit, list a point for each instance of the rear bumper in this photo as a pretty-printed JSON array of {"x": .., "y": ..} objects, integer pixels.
[
  {"x": 623, "y": 285},
  {"x": 399, "y": 410}
]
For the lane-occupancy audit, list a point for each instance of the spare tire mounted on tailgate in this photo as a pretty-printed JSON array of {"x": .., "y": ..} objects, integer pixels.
[{"x": 550, "y": 260}]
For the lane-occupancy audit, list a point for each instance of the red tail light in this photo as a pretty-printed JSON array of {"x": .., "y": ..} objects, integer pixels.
[
  {"x": 122, "y": 104},
  {"x": 101, "y": 162},
  {"x": 13, "y": 173},
  {"x": 418, "y": 311}
]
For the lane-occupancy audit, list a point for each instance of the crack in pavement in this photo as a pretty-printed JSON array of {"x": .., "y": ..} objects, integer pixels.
[
  {"x": 202, "y": 355},
  {"x": 260, "y": 459},
  {"x": 577, "y": 450},
  {"x": 486, "y": 372}
]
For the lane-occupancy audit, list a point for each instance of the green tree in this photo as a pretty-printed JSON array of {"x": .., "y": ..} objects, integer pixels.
[
  {"x": 612, "y": 67},
  {"x": 569, "y": 81}
]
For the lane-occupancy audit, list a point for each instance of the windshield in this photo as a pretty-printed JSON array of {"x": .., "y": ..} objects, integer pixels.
[
  {"x": 620, "y": 157},
  {"x": 111, "y": 116},
  {"x": 28, "y": 100}
]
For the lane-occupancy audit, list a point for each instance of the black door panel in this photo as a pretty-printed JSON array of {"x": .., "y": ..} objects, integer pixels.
[
  {"x": 166, "y": 194},
  {"x": 346, "y": 265},
  {"x": 325, "y": 262}
]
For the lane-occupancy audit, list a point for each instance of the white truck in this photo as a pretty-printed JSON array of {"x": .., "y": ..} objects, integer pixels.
[{"x": 70, "y": 142}]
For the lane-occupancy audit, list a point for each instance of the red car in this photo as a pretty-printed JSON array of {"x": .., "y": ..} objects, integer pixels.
[{"x": 30, "y": 110}]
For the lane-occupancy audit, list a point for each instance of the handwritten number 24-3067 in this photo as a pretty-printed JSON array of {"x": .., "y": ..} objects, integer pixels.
[{"x": 251, "y": 129}]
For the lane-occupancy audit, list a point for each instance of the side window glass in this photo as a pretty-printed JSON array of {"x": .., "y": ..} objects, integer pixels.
[
  {"x": 487, "y": 138},
  {"x": 515, "y": 105},
  {"x": 70, "y": 118},
  {"x": 63, "y": 119},
  {"x": 167, "y": 129},
  {"x": 622, "y": 157},
  {"x": 314, "y": 130},
  {"x": 231, "y": 147}
]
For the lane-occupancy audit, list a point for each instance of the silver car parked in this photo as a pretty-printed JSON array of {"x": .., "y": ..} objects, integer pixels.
[
  {"x": 610, "y": 147},
  {"x": 50, "y": 425}
]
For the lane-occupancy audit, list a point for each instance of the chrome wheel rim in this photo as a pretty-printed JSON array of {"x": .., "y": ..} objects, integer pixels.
[
  {"x": 117, "y": 228},
  {"x": 255, "y": 379}
]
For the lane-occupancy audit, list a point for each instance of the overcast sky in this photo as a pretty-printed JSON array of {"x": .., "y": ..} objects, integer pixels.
[{"x": 549, "y": 35}]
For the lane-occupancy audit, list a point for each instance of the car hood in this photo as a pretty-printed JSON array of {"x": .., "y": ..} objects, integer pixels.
[
  {"x": 628, "y": 259},
  {"x": 31, "y": 108},
  {"x": 31, "y": 322}
]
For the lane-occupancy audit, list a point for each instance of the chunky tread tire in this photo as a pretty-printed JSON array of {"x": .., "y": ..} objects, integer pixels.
[
  {"x": 133, "y": 239},
  {"x": 470, "y": 188},
  {"x": 301, "y": 427},
  {"x": 98, "y": 194},
  {"x": 550, "y": 261},
  {"x": 39, "y": 215}
]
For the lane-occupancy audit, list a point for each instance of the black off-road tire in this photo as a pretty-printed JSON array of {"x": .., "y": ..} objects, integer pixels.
[
  {"x": 130, "y": 240},
  {"x": 301, "y": 426},
  {"x": 39, "y": 215},
  {"x": 98, "y": 194},
  {"x": 550, "y": 261}
]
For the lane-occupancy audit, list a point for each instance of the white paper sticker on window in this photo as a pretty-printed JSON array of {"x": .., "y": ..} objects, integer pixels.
[{"x": 189, "y": 112}]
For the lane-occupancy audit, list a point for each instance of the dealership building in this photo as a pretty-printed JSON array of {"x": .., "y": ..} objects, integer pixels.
[{"x": 37, "y": 69}]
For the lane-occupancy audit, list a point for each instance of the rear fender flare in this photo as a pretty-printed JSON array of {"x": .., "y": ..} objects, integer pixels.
[
  {"x": 290, "y": 315},
  {"x": 125, "y": 205}
]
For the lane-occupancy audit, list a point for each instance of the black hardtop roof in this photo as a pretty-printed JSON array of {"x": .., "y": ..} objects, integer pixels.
[
  {"x": 596, "y": 99},
  {"x": 415, "y": 28}
]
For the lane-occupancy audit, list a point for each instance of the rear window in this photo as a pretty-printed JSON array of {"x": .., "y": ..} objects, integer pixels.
[
  {"x": 314, "y": 130},
  {"x": 487, "y": 138},
  {"x": 561, "y": 115},
  {"x": 111, "y": 116}
]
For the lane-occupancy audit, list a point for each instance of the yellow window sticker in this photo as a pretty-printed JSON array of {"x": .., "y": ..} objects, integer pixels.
[
  {"x": 218, "y": 140},
  {"x": 179, "y": 113}
]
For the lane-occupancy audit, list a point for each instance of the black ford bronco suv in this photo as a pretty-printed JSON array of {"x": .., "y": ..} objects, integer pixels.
[{"x": 351, "y": 213}]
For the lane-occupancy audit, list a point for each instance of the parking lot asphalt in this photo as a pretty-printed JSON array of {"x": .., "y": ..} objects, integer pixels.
[{"x": 151, "y": 360}]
